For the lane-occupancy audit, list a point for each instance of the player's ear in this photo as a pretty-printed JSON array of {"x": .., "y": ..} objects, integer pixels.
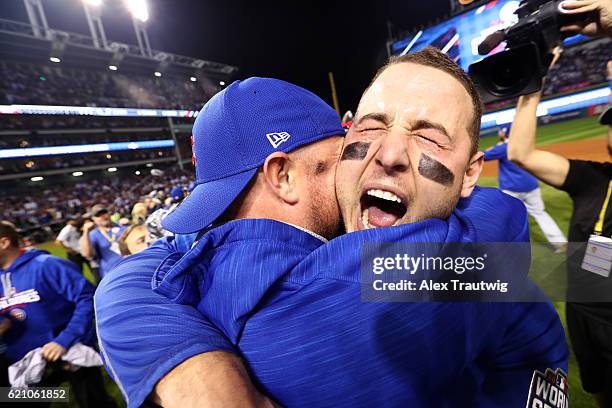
[
  {"x": 280, "y": 175},
  {"x": 472, "y": 173},
  {"x": 5, "y": 243}
]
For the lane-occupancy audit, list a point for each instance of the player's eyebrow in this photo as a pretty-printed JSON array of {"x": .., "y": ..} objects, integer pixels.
[
  {"x": 377, "y": 116},
  {"x": 428, "y": 124}
]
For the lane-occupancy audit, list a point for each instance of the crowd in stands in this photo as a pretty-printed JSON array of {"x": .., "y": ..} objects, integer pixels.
[
  {"x": 579, "y": 67},
  {"x": 24, "y": 83},
  {"x": 45, "y": 210}
]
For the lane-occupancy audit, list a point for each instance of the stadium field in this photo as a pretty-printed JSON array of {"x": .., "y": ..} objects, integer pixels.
[{"x": 565, "y": 131}]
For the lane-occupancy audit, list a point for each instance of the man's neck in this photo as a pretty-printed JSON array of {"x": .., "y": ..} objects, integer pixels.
[{"x": 7, "y": 260}]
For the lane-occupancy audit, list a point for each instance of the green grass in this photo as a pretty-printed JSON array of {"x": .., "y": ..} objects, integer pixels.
[{"x": 566, "y": 131}]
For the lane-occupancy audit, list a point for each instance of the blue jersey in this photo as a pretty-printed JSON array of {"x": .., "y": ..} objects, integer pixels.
[
  {"x": 311, "y": 341},
  {"x": 511, "y": 176},
  {"x": 47, "y": 299},
  {"x": 106, "y": 248}
]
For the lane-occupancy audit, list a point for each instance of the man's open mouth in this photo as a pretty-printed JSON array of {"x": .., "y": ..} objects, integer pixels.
[{"x": 381, "y": 208}]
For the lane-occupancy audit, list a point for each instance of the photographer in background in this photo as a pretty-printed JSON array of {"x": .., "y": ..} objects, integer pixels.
[{"x": 589, "y": 184}]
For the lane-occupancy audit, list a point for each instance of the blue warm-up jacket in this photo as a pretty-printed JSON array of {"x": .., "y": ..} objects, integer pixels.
[
  {"x": 511, "y": 176},
  {"x": 47, "y": 299},
  {"x": 291, "y": 306}
]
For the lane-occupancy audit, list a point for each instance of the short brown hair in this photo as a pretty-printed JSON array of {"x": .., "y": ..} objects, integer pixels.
[
  {"x": 432, "y": 57},
  {"x": 8, "y": 230}
]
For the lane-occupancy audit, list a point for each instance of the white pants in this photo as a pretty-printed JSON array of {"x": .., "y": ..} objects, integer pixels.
[{"x": 535, "y": 207}]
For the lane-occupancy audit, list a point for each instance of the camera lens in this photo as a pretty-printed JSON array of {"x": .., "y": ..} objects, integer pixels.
[{"x": 507, "y": 75}]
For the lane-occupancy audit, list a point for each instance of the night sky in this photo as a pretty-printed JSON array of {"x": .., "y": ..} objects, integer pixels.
[{"x": 295, "y": 41}]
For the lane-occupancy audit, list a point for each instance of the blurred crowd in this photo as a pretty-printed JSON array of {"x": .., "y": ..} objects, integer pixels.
[
  {"x": 579, "y": 67},
  {"x": 23, "y": 83},
  {"x": 44, "y": 212}
]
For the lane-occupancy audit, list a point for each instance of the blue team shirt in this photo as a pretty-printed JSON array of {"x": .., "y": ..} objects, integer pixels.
[
  {"x": 511, "y": 176},
  {"x": 47, "y": 299},
  {"x": 107, "y": 258},
  {"x": 291, "y": 305}
]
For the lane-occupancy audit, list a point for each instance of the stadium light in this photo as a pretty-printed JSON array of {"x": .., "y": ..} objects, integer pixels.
[
  {"x": 112, "y": 67},
  {"x": 157, "y": 74},
  {"x": 77, "y": 173},
  {"x": 138, "y": 9},
  {"x": 222, "y": 83},
  {"x": 193, "y": 79},
  {"x": 149, "y": 164},
  {"x": 137, "y": 172},
  {"x": 55, "y": 59},
  {"x": 37, "y": 178},
  {"x": 112, "y": 169}
]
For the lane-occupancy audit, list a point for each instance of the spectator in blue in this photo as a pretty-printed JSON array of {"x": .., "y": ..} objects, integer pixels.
[
  {"x": 46, "y": 303},
  {"x": 518, "y": 183},
  {"x": 101, "y": 240}
]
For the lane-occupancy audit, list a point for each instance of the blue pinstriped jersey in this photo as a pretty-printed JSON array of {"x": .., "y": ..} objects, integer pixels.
[{"x": 291, "y": 306}]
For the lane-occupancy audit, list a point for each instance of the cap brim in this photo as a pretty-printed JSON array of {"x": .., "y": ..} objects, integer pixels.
[
  {"x": 206, "y": 203},
  {"x": 606, "y": 117}
]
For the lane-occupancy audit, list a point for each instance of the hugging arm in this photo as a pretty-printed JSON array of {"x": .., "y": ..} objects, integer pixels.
[{"x": 162, "y": 351}]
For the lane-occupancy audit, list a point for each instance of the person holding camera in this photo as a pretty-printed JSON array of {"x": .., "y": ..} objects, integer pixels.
[{"x": 589, "y": 184}]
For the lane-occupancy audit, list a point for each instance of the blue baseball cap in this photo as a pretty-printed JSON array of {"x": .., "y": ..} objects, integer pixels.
[
  {"x": 233, "y": 135},
  {"x": 177, "y": 193}
]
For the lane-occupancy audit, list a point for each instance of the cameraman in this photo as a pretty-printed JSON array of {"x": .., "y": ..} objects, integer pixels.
[{"x": 589, "y": 185}]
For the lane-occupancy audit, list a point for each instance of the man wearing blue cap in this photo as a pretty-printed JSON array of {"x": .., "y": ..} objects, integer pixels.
[
  {"x": 309, "y": 319},
  {"x": 253, "y": 124}
]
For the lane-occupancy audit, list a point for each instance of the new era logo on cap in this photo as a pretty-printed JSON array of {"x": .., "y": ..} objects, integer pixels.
[
  {"x": 277, "y": 138},
  {"x": 230, "y": 142}
]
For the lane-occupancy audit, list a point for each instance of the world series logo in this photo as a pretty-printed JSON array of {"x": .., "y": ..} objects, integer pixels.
[{"x": 548, "y": 390}]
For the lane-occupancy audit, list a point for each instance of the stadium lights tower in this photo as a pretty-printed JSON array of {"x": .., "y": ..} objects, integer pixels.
[
  {"x": 37, "y": 18},
  {"x": 140, "y": 15},
  {"x": 93, "y": 14}
]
